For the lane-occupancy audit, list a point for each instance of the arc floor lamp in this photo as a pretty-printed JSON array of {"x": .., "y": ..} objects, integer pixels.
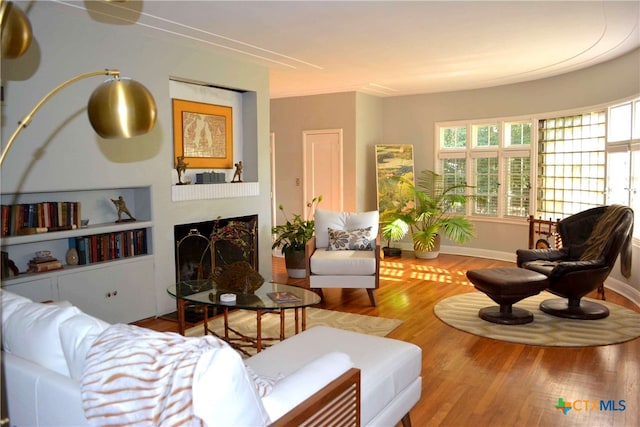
[{"x": 118, "y": 108}]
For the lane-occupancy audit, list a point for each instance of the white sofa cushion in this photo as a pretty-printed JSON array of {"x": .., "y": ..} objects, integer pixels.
[
  {"x": 301, "y": 384},
  {"x": 10, "y": 303},
  {"x": 77, "y": 334},
  {"x": 343, "y": 263},
  {"x": 387, "y": 366},
  {"x": 224, "y": 394},
  {"x": 39, "y": 323},
  {"x": 342, "y": 221}
]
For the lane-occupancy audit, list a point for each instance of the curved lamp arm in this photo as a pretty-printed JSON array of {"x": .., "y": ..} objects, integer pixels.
[
  {"x": 27, "y": 119},
  {"x": 130, "y": 109}
]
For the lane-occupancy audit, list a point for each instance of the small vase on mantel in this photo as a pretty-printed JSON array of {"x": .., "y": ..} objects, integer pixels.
[{"x": 72, "y": 256}]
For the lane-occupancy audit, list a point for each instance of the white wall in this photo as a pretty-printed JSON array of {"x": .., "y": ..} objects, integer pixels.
[
  {"x": 69, "y": 154},
  {"x": 369, "y": 126}
]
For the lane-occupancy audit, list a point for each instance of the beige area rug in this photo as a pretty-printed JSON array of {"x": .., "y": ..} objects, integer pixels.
[
  {"x": 244, "y": 321},
  {"x": 461, "y": 312}
]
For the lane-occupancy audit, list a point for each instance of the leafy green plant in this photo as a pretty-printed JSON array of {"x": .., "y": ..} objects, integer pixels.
[
  {"x": 294, "y": 234},
  {"x": 430, "y": 213},
  {"x": 392, "y": 229}
]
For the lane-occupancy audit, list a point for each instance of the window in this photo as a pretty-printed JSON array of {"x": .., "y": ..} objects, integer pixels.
[
  {"x": 582, "y": 160},
  {"x": 623, "y": 157},
  {"x": 453, "y": 137},
  {"x": 485, "y": 135},
  {"x": 487, "y": 182},
  {"x": 517, "y": 186},
  {"x": 517, "y": 134},
  {"x": 571, "y": 164},
  {"x": 496, "y": 161},
  {"x": 454, "y": 172}
]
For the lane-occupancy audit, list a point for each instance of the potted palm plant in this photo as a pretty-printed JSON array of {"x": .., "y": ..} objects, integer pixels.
[
  {"x": 292, "y": 237},
  {"x": 392, "y": 229},
  {"x": 430, "y": 214}
]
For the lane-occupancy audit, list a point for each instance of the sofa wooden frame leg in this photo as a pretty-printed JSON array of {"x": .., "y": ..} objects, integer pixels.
[
  {"x": 406, "y": 420},
  {"x": 372, "y": 297}
]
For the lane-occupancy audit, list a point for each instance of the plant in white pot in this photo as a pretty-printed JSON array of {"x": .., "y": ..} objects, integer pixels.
[
  {"x": 292, "y": 237},
  {"x": 430, "y": 214}
]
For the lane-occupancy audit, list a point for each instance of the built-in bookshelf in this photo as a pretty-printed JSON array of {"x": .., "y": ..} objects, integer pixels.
[{"x": 115, "y": 259}]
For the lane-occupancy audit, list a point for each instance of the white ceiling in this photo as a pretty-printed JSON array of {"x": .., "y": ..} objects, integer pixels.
[{"x": 390, "y": 48}]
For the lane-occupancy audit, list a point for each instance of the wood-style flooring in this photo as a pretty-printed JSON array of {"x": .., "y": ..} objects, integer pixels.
[{"x": 473, "y": 381}]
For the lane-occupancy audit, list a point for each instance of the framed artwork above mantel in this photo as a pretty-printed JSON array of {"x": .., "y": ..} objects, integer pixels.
[{"x": 203, "y": 134}]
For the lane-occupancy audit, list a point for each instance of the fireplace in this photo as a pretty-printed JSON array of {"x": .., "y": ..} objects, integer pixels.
[
  {"x": 198, "y": 254},
  {"x": 203, "y": 247}
]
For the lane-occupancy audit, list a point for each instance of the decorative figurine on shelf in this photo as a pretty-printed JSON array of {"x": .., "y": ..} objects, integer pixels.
[
  {"x": 181, "y": 167},
  {"x": 121, "y": 205},
  {"x": 238, "y": 172}
]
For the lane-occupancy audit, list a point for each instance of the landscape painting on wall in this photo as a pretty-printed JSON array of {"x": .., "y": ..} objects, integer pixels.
[
  {"x": 393, "y": 160},
  {"x": 203, "y": 134}
]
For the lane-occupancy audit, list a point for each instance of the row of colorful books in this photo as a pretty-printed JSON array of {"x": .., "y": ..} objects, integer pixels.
[
  {"x": 109, "y": 246},
  {"x": 51, "y": 216}
]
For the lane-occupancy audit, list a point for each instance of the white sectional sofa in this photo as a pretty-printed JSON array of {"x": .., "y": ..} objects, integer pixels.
[{"x": 58, "y": 362}]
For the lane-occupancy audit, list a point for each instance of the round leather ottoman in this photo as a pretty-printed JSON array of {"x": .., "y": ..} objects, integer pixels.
[{"x": 506, "y": 286}]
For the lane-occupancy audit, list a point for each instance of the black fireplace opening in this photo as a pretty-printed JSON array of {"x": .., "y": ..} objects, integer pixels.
[
  {"x": 231, "y": 239},
  {"x": 226, "y": 251}
]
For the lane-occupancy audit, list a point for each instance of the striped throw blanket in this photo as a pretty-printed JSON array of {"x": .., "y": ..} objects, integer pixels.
[{"x": 138, "y": 377}]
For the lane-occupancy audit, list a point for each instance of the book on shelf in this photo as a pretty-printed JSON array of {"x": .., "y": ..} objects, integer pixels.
[
  {"x": 109, "y": 246},
  {"x": 42, "y": 265},
  {"x": 40, "y": 260},
  {"x": 43, "y": 216},
  {"x": 281, "y": 297}
]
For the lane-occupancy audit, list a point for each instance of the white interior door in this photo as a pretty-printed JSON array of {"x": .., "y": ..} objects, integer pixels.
[{"x": 322, "y": 150}]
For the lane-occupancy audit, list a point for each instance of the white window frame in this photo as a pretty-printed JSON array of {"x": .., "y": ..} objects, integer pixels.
[{"x": 501, "y": 151}]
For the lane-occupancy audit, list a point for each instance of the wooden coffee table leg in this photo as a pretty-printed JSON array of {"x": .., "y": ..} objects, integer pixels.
[
  {"x": 205, "y": 317},
  {"x": 259, "y": 331},
  {"x": 304, "y": 318},
  {"x": 281, "y": 325},
  {"x": 226, "y": 324},
  {"x": 181, "y": 304},
  {"x": 297, "y": 320}
]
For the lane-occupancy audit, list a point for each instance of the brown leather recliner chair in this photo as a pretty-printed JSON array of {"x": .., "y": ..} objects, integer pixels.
[{"x": 592, "y": 241}]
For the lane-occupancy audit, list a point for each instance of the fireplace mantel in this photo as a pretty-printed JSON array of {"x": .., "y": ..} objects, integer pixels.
[{"x": 183, "y": 193}]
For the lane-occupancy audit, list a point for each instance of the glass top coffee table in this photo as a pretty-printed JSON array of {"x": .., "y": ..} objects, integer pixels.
[{"x": 269, "y": 298}]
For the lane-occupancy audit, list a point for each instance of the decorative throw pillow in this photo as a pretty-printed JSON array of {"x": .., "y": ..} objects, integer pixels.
[{"x": 358, "y": 239}]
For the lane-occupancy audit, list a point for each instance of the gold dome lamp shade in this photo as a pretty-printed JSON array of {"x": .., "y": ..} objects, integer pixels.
[
  {"x": 16, "y": 30},
  {"x": 121, "y": 108}
]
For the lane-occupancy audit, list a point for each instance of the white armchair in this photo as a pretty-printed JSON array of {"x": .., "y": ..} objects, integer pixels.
[{"x": 345, "y": 251}]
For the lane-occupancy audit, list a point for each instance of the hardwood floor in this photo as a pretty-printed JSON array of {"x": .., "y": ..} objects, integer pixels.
[{"x": 473, "y": 381}]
